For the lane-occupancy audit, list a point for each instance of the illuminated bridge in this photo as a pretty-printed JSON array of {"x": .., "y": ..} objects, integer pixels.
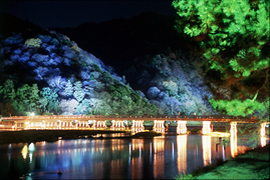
[{"x": 121, "y": 122}]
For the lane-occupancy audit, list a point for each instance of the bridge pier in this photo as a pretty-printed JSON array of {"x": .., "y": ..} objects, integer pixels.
[
  {"x": 263, "y": 138},
  {"x": 206, "y": 127},
  {"x": 117, "y": 125},
  {"x": 233, "y": 132},
  {"x": 263, "y": 125},
  {"x": 159, "y": 126},
  {"x": 181, "y": 127},
  {"x": 137, "y": 126}
]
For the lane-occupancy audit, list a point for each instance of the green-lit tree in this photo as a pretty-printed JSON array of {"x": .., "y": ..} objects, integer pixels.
[
  {"x": 52, "y": 99},
  {"x": 8, "y": 90},
  {"x": 34, "y": 97},
  {"x": 233, "y": 36},
  {"x": 22, "y": 103}
]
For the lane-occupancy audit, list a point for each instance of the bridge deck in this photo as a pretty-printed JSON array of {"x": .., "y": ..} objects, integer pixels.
[{"x": 126, "y": 117}]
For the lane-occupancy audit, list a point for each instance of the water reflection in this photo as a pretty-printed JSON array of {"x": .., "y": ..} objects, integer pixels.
[
  {"x": 182, "y": 153},
  {"x": 206, "y": 142},
  {"x": 233, "y": 132},
  {"x": 263, "y": 138},
  {"x": 263, "y": 141},
  {"x": 24, "y": 151},
  {"x": 158, "y": 161},
  {"x": 156, "y": 158}
]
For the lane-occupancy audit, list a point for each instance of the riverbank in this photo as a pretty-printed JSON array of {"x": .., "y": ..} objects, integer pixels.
[
  {"x": 28, "y": 136},
  {"x": 253, "y": 164}
]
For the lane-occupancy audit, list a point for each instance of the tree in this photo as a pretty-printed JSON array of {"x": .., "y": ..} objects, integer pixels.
[
  {"x": 223, "y": 29},
  {"x": 22, "y": 102},
  {"x": 78, "y": 91},
  {"x": 8, "y": 110},
  {"x": 51, "y": 97},
  {"x": 233, "y": 36},
  {"x": 8, "y": 90},
  {"x": 34, "y": 97},
  {"x": 68, "y": 88},
  {"x": 68, "y": 106}
]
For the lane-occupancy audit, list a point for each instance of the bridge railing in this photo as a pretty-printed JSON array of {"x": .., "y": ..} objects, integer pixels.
[{"x": 124, "y": 116}]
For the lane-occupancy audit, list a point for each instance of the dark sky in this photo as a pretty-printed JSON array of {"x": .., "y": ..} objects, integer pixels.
[{"x": 49, "y": 14}]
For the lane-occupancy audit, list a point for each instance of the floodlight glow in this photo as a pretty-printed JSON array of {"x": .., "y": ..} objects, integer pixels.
[{"x": 31, "y": 147}]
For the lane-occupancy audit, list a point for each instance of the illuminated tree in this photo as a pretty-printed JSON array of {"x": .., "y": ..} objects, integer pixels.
[
  {"x": 43, "y": 103},
  {"x": 8, "y": 90},
  {"x": 22, "y": 102},
  {"x": 68, "y": 88},
  {"x": 51, "y": 97},
  {"x": 68, "y": 106},
  {"x": 78, "y": 91},
  {"x": 34, "y": 97},
  {"x": 233, "y": 36}
]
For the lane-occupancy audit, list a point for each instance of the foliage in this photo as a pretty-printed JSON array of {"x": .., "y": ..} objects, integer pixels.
[
  {"x": 234, "y": 39},
  {"x": 45, "y": 59},
  {"x": 238, "y": 107},
  {"x": 78, "y": 92},
  {"x": 76, "y": 48},
  {"x": 152, "y": 92},
  {"x": 68, "y": 106},
  {"x": 183, "y": 175},
  {"x": 52, "y": 98},
  {"x": 33, "y": 42},
  {"x": 68, "y": 88},
  {"x": 107, "y": 77},
  {"x": 224, "y": 27}
]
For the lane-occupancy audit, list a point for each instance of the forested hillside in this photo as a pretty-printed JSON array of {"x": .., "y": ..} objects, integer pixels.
[{"x": 48, "y": 73}]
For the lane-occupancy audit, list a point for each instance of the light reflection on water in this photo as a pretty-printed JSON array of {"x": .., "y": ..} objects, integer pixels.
[{"x": 156, "y": 158}]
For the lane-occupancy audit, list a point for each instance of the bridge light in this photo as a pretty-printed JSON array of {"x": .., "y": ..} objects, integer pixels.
[{"x": 32, "y": 114}]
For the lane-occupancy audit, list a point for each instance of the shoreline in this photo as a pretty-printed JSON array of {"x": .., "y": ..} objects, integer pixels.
[
  {"x": 29, "y": 136},
  {"x": 252, "y": 164}
]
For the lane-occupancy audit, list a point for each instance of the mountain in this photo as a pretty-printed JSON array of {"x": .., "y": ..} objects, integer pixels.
[
  {"x": 46, "y": 72},
  {"x": 119, "y": 41},
  {"x": 144, "y": 49},
  {"x": 134, "y": 46}
]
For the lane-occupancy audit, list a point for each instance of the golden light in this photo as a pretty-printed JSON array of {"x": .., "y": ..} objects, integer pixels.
[
  {"x": 206, "y": 142},
  {"x": 24, "y": 151},
  {"x": 206, "y": 127},
  {"x": 233, "y": 132}
]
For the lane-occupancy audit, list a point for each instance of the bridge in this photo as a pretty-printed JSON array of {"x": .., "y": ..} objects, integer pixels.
[{"x": 121, "y": 122}]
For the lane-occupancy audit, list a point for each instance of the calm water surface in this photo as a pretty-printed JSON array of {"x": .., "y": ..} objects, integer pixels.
[{"x": 157, "y": 158}]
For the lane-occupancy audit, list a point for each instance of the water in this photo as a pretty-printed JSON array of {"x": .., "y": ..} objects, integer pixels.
[{"x": 155, "y": 158}]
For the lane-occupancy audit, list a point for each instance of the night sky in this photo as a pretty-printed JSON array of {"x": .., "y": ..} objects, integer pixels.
[{"x": 48, "y": 14}]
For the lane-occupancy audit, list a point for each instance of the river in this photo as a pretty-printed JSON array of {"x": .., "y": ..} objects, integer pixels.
[{"x": 154, "y": 158}]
